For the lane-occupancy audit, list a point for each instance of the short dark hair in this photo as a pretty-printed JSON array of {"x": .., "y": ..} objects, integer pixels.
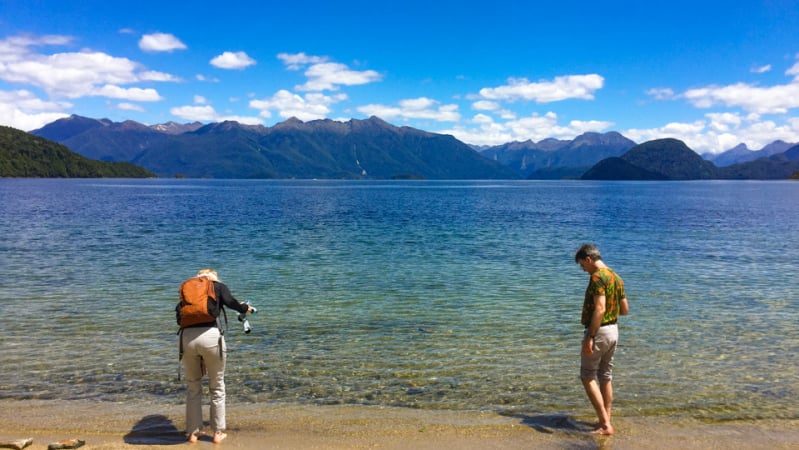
[{"x": 587, "y": 250}]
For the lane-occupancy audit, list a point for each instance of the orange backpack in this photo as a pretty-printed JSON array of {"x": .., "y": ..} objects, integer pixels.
[{"x": 196, "y": 295}]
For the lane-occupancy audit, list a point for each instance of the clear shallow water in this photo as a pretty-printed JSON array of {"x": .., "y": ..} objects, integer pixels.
[{"x": 460, "y": 295}]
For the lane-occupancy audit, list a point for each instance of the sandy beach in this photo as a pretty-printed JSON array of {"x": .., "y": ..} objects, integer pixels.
[{"x": 105, "y": 425}]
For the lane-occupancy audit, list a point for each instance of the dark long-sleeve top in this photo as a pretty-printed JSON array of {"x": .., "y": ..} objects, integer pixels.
[{"x": 223, "y": 298}]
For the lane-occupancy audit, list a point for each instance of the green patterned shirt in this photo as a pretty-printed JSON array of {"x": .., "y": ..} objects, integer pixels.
[{"x": 603, "y": 282}]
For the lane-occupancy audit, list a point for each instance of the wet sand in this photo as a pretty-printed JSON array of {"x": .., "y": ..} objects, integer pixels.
[{"x": 112, "y": 426}]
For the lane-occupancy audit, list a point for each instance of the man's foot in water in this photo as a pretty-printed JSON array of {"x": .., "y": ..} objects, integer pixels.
[{"x": 603, "y": 430}]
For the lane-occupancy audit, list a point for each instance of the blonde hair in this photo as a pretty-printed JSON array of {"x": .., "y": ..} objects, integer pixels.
[{"x": 208, "y": 273}]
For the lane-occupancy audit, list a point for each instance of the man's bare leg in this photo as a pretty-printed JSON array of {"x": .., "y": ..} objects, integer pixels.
[
  {"x": 606, "y": 387},
  {"x": 598, "y": 402}
]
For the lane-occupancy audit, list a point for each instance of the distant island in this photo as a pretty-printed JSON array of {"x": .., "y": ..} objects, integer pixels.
[
  {"x": 373, "y": 149},
  {"x": 24, "y": 155}
]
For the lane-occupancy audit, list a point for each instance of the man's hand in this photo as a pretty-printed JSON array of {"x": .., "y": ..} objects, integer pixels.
[{"x": 588, "y": 345}]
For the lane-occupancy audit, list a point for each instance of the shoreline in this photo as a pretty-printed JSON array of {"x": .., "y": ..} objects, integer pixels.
[{"x": 118, "y": 426}]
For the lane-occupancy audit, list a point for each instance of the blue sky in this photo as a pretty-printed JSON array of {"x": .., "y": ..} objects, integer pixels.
[{"x": 712, "y": 73}]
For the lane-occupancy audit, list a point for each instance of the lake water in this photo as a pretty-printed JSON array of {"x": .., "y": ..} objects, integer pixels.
[{"x": 458, "y": 295}]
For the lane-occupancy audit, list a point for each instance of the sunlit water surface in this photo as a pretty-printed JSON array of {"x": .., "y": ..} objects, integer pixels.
[{"x": 459, "y": 295}]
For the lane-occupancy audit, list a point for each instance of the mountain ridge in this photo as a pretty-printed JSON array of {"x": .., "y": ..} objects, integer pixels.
[
  {"x": 671, "y": 159},
  {"x": 553, "y": 158},
  {"x": 375, "y": 149},
  {"x": 369, "y": 148}
]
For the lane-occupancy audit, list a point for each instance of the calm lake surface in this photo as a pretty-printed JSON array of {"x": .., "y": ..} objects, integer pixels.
[{"x": 458, "y": 295}]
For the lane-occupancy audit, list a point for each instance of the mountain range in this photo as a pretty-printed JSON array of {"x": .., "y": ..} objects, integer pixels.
[
  {"x": 671, "y": 159},
  {"x": 741, "y": 153},
  {"x": 555, "y": 159},
  {"x": 356, "y": 149},
  {"x": 375, "y": 149}
]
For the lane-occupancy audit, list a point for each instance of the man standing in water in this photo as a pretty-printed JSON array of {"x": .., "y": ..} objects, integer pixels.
[{"x": 604, "y": 301}]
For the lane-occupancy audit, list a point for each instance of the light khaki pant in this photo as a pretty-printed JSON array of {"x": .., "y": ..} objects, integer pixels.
[{"x": 201, "y": 347}]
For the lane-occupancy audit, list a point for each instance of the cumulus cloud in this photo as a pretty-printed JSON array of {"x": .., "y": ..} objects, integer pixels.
[
  {"x": 719, "y": 132},
  {"x": 329, "y": 76},
  {"x": 232, "y": 60},
  {"x": 137, "y": 94},
  {"x": 160, "y": 42},
  {"x": 287, "y": 104},
  {"x": 15, "y": 48},
  {"x": 152, "y": 75},
  {"x": 23, "y": 110},
  {"x": 752, "y": 98},
  {"x": 484, "y": 130},
  {"x": 201, "y": 77},
  {"x": 485, "y": 105},
  {"x": 207, "y": 113},
  {"x": 324, "y": 75},
  {"x": 74, "y": 74},
  {"x": 66, "y": 75},
  {"x": 762, "y": 100},
  {"x": 296, "y": 61},
  {"x": 761, "y": 69},
  {"x": 417, "y": 108},
  {"x": 793, "y": 71},
  {"x": 125, "y": 106},
  {"x": 661, "y": 93},
  {"x": 561, "y": 88}
]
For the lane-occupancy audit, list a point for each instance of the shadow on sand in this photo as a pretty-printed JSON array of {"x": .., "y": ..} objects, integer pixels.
[
  {"x": 578, "y": 431},
  {"x": 155, "y": 429},
  {"x": 551, "y": 423}
]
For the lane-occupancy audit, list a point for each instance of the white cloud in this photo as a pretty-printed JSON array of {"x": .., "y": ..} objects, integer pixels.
[
  {"x": 125, "y": 106},
  {"x": 777, "y": 99},
  {"x": 328, "y": 76},
  {"x": 152, "y": 75},
  {"x": 661, "y": 93},
  {"x": 201, "y": 77},
  {"x": 724, "y": 122},
  {"x": 232, "y": 60},
  {"x": 200, "y": 100},
  {"x": 74, "y": 75},
  {"x": 195, "y": 113},
  {"x": 761, "y": 69},
  {"x": 207, "y": 113},
  {"x": 762, "y": 100},
  {"x": 721, "y": 131},
  {"x": 323, "y": 75},
  {"x": 298, "y": 60},
  {"x": 485, "y": 105},
  {"x": 535, "y": 127},
  {"x": 15, "y": 48},
  {"x": 416, "y": 108},
  {"x": 24, "y": 111},
  {"x": 287, "y": 104},
  {"x": 160, "y": 42},
  {"x": 793, "y": 71},
  {"x": 561, "y": 88},
  {"x": 136, "y": 94},
  {"x": 538, "y": 127},
  {"x": 28, "y": 101}
]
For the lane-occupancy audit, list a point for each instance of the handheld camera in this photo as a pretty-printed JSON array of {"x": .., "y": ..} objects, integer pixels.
[{"x": 243, "y": 318}]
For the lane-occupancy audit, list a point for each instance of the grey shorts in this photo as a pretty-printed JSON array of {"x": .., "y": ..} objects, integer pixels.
[{"x": 599, "y": 365}]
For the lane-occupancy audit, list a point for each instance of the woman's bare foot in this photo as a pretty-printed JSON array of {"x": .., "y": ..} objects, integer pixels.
[
  {"x": 194, "y": 437},
  {"x": 219, "y": 436}
]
